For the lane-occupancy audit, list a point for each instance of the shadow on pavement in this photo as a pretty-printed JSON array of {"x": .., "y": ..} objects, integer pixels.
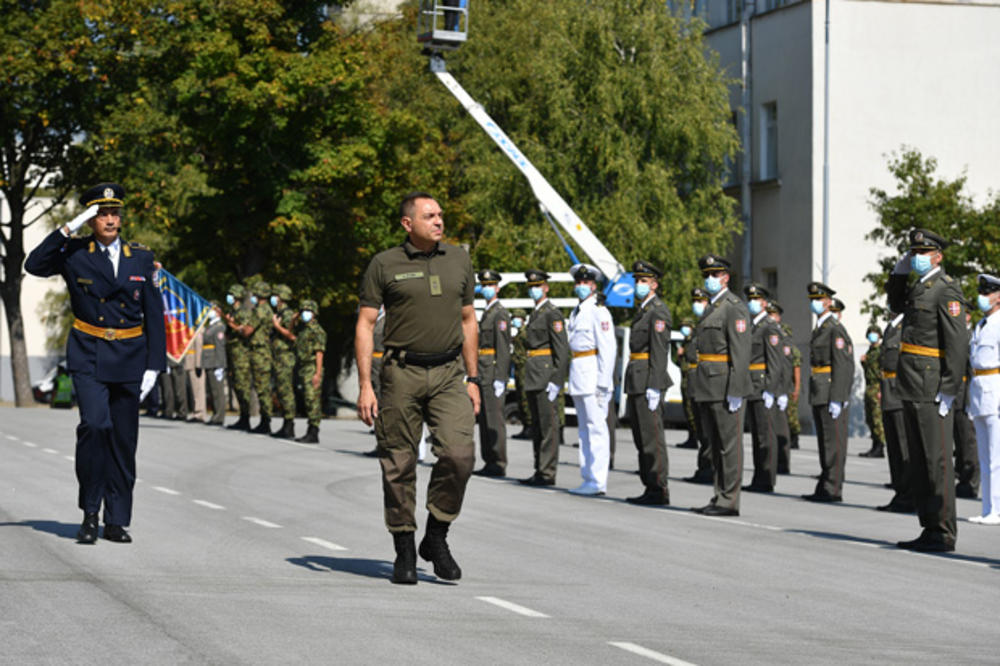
[
  {"x": 357, "y": 566},
  {"x": 891, "y": 545},
  {"x": 63, "y": 530}
]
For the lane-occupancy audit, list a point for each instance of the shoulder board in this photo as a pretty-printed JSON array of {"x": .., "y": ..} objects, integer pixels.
[
  {"x": 135, "y": 245},
  {"x": 947, "y": 279}
]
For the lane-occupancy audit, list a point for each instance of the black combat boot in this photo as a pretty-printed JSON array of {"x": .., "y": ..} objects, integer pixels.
[
  {"x": 690, "y": 443},
  {"x": 434, "y": 549},
  {"x": 404, "y": 569},
  {"x": 242, "y": 424},
  {"x": 287, "y": 430},
  {"x": 264, "y": 427},
  {"x": 794, "y": 441},
  {"x": 877, "y": 451},
  {"x": 311, "y": 436}
]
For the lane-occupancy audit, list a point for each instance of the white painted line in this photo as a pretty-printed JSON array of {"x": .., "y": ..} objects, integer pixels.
[
  {"x": 30, "y": 445},
  {"x": 50, "y": 450},
  {"x": 650, "y": 654},
  {"x": 521, "y": 610},
  {"x": 12, "y": 438},
  {"x": 329, "y": 545},
  {"x": 209, "y": 505},
  {"x": 166, "y": 491},
  {"x": 260, "y": 521},
  {"x": 70, "y": 458}
]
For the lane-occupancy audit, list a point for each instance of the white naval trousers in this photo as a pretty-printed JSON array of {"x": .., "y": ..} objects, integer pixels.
[
  {"x": 988, "y": 440},
  {"x": 595, "y": 443}
]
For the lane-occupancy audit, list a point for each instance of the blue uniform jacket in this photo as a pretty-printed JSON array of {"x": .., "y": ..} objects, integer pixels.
[{"x": 100, "y": 299}]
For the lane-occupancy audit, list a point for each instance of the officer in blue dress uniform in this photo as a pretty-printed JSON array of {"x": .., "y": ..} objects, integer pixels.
[{"x": 115, "y": 349}]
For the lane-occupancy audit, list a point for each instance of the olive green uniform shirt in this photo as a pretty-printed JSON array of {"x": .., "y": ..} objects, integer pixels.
[{"x": 723, "y": 333}]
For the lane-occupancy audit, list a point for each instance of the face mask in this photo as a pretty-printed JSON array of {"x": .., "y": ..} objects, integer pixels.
[
  {"x": 816, "y": 306},
  {"x": 713, "y": 284},
  {"x": 641, "y": 290},
  {"x": 517, "y": 322},
  {"x": 213, "y": 316},
  {"x": 582, "y": 291},
  {"x": 698, "y": 307},
  {"x": 230, "y": 299},
  {"x": 920, "y": 263},
  {"x": 755, "y": 307},
  {"x": 983, "y": 301},
  {"x": 488, "y": 293},
  {"x": 307, "y": 316},
  {"x": 685, "y": 331},
  {"x": 535, "y": 293},
  {"x": 253, "y": 300},
  {"x": 873, "y": 338},
  {"x": 274, "y": 301}
]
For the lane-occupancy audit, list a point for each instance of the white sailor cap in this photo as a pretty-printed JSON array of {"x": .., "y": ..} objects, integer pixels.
[
  {"x": 988, "y": 283},
  {"x": 582, "y": 272}
]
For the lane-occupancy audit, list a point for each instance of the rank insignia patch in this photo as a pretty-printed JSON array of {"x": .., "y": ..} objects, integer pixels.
[
  {"x": 954, "y": 308},
  {"x": 660, "y": 325},
  {"x": 741, "y": 325}
]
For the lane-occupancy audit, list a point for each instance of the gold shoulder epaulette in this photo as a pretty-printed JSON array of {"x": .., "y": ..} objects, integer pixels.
[
  {"x": 136, "y": 245},
  {"x": 948, "y": 279}
]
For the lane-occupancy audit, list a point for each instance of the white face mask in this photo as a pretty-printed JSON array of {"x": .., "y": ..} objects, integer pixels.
[
  {"x": 230, "y": 299},
  {"x": 698, "y": 307},
  {"x": 274, "y": 301},
  {"x": 253, "y": 300},
  {"x": 307, "y": 316}
]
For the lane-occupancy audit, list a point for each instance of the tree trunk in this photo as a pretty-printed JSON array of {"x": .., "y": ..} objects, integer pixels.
[{"x": 11, "y": 293}]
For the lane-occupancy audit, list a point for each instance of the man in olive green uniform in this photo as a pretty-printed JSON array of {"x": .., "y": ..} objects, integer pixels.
[
  {"x": 238, "y": 348},
  {"x": 705, "y": 472},
  {"x": 722, "y": 383},
  {"x": 830, "y": 380},
  {"x": 646, "y": 381},
  {"x": 213, "y": 362},
  {"x": 687, "y": 366},
  {"x": 283, "y": 353},
  {"x": 310, "y": 346},
  {"x": 547, "y": 349},
  {"x": 782, "y": 430},
  {"x": 870, "y": 364},
  {"x": 427, "y": 287},
  {"x": 494, "y": 369},
  {"x": 518, "y": 358},
  {"x": 934, "y": 354},
  {"x": 892, "y": 419},
  {"x": 767, "y": 372},
  {"x": 966, "y": 449}
]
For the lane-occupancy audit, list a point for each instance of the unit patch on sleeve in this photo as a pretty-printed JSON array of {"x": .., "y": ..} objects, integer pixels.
[
  {"x": 773, "y": 339},
  {"x": 839, "y": 342},
  {"x": 741, "y": 325},
  {"x": 660, "y": 325},
  {"x": 557, "y": 326},
  {"x": 954, "y": 308}
]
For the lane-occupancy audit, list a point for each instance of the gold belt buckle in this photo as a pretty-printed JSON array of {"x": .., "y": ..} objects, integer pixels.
[{"x": 109, "y": 334}]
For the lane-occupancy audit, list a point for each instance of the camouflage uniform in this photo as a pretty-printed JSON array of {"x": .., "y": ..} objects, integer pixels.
[
  {"x": 238, "y": 350},
  {"x": 260, "y": 354},
  {"x": 873, "y": 400},
  {"x": 283, "y": 351},
  {"x": 310, "y": 339},
  {"x": 794, "y": 427}
]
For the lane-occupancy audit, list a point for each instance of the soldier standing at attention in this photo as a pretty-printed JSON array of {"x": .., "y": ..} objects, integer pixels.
[
  {"x": 494, "y": 369},
  {"x": 934, "y": 353},
  {"x": 873, "y": 392},
  {"x": 829, "y": 391},
  {"x": 892, "y": 420},
  {"x": 687, "y": 367},
  {"x": 114, "y": 351},
  {"x": 722, "y": 383},
  {"x": 984, "y": 395},
  {"x": 258, "y": 332},
  {"x": 431, "y": 341},
  {"x": 646, "y": 381},
  {"x": 766, "y": 374},
  {"x": 966, "y": 456},
  {"x": 213, "y": 361},
  {"x": 239, "y": 352},
  {"x": 782, "y": 431},
  {"x": 705, "y": 473},
  {"x": 283, "y": 352},
  {"x": 310, "y": 346},
  {"x": 518, "y": 358},
  {"x": 545, "y": 370}
]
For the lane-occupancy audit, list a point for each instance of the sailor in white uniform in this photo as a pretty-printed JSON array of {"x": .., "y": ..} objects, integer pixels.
[
  {"x": 984, "y": 396},
  {"x": 591, "y": 378}
]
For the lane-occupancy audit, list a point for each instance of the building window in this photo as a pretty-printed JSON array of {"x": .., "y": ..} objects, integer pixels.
[
  {"x": 734, "y": 10},
  {"x": 771, "y": 281},
  {"x": 768, "y": 141},
  {"x": 733, "y": 165}
]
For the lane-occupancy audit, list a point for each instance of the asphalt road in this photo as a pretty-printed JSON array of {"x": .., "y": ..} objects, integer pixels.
[{"x": 254, "y": 550}]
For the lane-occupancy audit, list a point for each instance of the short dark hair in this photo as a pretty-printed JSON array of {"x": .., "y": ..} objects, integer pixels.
[{"x": 407, "y": 204}]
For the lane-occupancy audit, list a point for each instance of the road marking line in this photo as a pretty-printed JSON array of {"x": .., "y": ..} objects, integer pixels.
[
  {"x": 70, "y": 458},
  {"x": 167, "y": 491},
  {"x": 521, "y": 610},
  {"x": 329, "y": 545},
  {"x": 650, "y": 654},
  {"x": 30, "y": 445},
  {"x": 50, "y": 450},
  {"x": 12, "y": 438},
  {"x": 209, "y": 505},
  {"x": 260, "y": 521}
]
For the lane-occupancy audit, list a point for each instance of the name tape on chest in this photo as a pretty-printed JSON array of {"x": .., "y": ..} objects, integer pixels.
[{"x": 408, "y": 276}]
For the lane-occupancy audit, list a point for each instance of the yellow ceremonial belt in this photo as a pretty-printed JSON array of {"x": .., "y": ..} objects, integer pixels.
[
  {"x": 586, "y": 352},
  {"x": 639, "y": 356},
  {"x": 714, "y": 358},
  {"x": 208, "y": 346},
  {"x": 985, "y": 371},
  {"x": 886, "y": 374},
  {"x": 822, "y": 369},
  {"x": 540, "y": 352},
  {"x": 487, "y": 351},
  {"x": 378, "y": 354},
  {"x": 920, "y": 350},
  {"x": 758, "y": 366},
  {"x": 107, "y": 333}
]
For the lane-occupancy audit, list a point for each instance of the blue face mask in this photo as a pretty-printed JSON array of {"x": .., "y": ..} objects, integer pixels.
[
  {"x": 698, "y": 307},
  {"x": 307, "y": 316},
  {"x": 582, "y": 291},
  {"x": 713, "y": 284},
  {"x": 253, "y": 300},
  {"x": 274, "y": 301},
  {"x": 685, "y": 331},
  {"x": 816, "y": 305},
  {"x": 755, "y": 307},
  {"x": 873, "y": 337},
  {"x": 535, "y": 293},
  {"x": 488, "y": 292},
  {"x": 641, "y": 290},
  {"x": 517, "y": 322},
  {"x": 920, "y": 263},
  {"x": 230, "y": 299},
  {"x": 983, "y": 301}
]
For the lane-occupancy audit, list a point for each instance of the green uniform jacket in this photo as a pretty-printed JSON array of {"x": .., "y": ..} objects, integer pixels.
[
  {"x": 650, "y": 335},
  {"x": 261, "y": 320},
  {"x": 724, "y": 330},
  {"x": 494, "y": 333},
  {"x": 888, "y": 362},
  {"x": 213, "y": 349},
  {"x": 237, "y": 343},
  {"x": 765, "y": 349},
  {"x": 279, "y": 343},
  {"x": 689, "y": 361},
  {"x": 830, "y": 347},
  {"x": 546, "y": 329},
  {"x": 934, "y": 317},
  {"x": 872, "y": 369},
  {"x": 789, "y": 363},
  {"x": 310, "y": 339}
]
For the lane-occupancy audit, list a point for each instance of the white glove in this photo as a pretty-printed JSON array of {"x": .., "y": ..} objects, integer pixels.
[
  {"x": 553, "y": 391},
  {"x": 768, "y": 399},
  {"x": 734, "y": 403},
  {"x": 219, "y": 374},
  {"x": 835, "y": 408},
  {"x": 653, "y": 398},
  {"x": 148, "y": 381},
  {"x": 944, "y": 403},
  {"x": 603, "y": 398},
  {"x": 783, "y": 401},
  {"x": 498, "y": 387},
  {"x": 903, "y": 265},
  {"x": 81, "y": 219}
]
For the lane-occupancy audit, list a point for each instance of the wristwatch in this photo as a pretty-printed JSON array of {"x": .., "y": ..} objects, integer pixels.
[{"x": 473, "y": 380}]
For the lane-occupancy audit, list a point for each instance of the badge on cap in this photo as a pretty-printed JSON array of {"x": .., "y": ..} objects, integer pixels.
[
  {"x": 710, "y": 260},
  {"x": 919, "y": 236},
  {"x": 839, "y": 342},
  {"x": 660, "y": 325},
  {"x": 954, "y": 308},
  {"x": 741, "y": 325},
  {"x": 773, "y": 340},
  {"x": 557, "y": 326},
  {"x": 109, "y": 193}
]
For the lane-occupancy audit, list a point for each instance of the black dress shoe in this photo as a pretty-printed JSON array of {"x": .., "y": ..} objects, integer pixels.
[
  {"x": 491, "y": 470},
  {"x": 757, "y": 488},
  {"x": 965, "y": 490},
  {"x": 650, "y": 498},
  {"x": 913, "y": 543},
  {"x": 933, "y": 546},
  {"x": 689, "y": 444},
  {"x": 704, "y": 478},
  {"x": 371, "y": 454},
  {"x": 823, "y": 497},
  {"x": 784, "y": 469},
  {"x": 88, "y": 529},
  {"x": 897, "y": 507},
  {"x": 538, "y": 480},
  {"x": 713, "y": 510},
  {"x": 117, "y": 534}
]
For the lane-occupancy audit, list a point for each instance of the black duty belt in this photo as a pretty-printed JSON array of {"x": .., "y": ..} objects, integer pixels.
[{"x": 423, "y": 360}]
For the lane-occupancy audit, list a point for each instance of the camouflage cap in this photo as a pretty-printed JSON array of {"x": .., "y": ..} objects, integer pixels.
[
  {"x": 236, "y": 290},
  {"x": 282, "y": 291},
  {"x": 687, "y": 322},
  {"x": 309, "y": 304},
  {"x": 262, "y": 289}
]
